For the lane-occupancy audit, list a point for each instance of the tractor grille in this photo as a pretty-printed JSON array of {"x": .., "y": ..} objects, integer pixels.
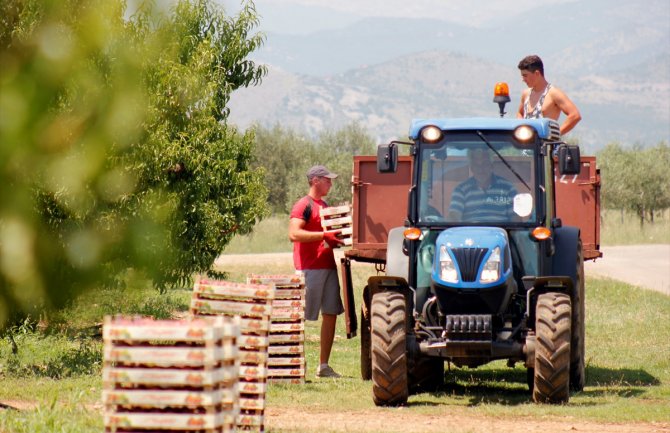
[
  {"x": 469, "y": 260},
  {"x": 468, "y": 327},
  {"x": 554, "y": 131}
]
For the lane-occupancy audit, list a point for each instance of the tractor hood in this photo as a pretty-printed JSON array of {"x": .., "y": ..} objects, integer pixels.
[
  {"x": 472, "y": 272},
  {"x": 471, "y": 257}
]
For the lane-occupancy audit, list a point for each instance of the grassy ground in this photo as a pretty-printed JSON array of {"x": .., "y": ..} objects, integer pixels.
[
  {"x": 269, "y": 236},
  {"x": 58, "y": 369},
  {"x": 625, "y": 229},
  {"x": 54, "y": 374}
]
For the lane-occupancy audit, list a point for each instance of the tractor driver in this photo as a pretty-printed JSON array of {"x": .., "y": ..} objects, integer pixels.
[{"x": 484, "y": 196}]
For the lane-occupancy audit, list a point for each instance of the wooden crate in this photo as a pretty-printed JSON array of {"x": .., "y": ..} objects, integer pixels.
[
  {"x": 167, "y": 421},
  {"x": 162, "y": 398},
  {"x": 286, "y": 351},
  {"x": 335, "y": 211},
  {"x": 166, "y": 356},
  {"x": 193, "y": 330},
  {"x": 278, "y": 280},
  {"x": 253, "y": 421},
  {"x": 338, "y": 218},
  {"x": 164, "y": 378},
  {"x": 253, "y": 304},
  {"x": 170, "y": 375}
]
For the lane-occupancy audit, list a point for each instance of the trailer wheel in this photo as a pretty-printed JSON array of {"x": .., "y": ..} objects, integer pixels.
[
  {"x": 366, "y": 360},
  {"x": 426, "y": 374},
  {"x": 577, "y": 365},
  {"x": 552, "y": 351},
  {"x": 389, "y": 354}
]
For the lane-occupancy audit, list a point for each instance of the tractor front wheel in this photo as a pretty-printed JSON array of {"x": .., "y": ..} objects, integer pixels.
[
  {"x": 552, "y": 350},
  {"x": 388, "y": 316}
]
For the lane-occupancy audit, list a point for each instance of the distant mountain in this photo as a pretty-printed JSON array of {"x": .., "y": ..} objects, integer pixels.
[
  {"x": 384, "y": 98},
  {"x": 583, "y": 36},
  {"x": 610, "y": 56}
]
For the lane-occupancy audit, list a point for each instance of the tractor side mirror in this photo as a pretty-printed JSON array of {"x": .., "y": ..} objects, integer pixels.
[
  {"x": 568, "y": 159},
  {"x": 387, "y": 158}
]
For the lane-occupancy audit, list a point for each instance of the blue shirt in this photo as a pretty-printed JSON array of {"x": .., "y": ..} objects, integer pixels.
[{"x": 475, "y": 204}]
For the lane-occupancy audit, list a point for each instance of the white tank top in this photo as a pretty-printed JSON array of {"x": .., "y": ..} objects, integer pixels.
[{"x": 536, "y": 112}]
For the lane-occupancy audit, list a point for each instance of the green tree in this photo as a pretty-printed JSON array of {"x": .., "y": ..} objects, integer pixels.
[
  {"x": 657, "y": 189},
  {"x": 612, "y": 161},
  {"x": 115, "y": 148},
  {"x": 634, "y": 179},
  {"x": 338, "y": 149},
  {"x": 285, "y": 156},
  {"x": 203, "y": 165},
  {"x": 282, "y": 154}
]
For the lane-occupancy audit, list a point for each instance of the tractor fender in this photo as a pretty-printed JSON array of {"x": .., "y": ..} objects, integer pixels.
[
  {"x": 566, "y": 242},
  {"x": 397, "y": 262}
]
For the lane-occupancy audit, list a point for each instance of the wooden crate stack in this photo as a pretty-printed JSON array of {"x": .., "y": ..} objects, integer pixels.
[
  {"x": 286, "y": 362},
  {"x": 170, "y": 375},
  {"x": 252, "y": 303},
  {"x": 338, "y": 218}
]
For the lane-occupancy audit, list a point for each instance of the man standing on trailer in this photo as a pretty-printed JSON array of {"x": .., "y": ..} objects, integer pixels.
[{"x": 542, "y": 99}]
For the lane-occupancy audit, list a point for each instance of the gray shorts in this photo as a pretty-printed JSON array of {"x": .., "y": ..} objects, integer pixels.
[{"x": 322, "y": 293}]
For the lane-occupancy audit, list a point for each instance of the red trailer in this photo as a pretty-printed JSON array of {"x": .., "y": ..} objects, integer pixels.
[{"x": 380, "y": 203}]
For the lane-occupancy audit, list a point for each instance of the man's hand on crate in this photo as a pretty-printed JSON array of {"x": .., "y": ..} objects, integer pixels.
[{"x": 332, "y": 238}]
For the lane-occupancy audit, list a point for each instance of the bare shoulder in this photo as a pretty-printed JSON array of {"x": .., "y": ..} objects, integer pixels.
[{"x": 556, "y": 94}]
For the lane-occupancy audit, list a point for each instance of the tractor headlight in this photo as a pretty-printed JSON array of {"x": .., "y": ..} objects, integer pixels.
[
  {"x": 491, "y": 269},
  {"x": 431, "y": 134},
  {"x": 524, "y": 134},
  {"x": 448, "y": 270}
]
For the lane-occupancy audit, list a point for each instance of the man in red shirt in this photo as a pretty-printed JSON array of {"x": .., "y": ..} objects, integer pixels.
[{"x": 313, "y": 256}]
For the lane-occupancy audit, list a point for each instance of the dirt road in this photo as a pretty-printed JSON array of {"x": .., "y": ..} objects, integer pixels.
[
  {"x": 646, "y": 266},
  {"x": 453, "y": 420}
]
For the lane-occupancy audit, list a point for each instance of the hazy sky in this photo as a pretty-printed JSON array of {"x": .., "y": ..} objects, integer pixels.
[
  {"x": 337, "y": 13},
  {"x": 420, "y": 8}
]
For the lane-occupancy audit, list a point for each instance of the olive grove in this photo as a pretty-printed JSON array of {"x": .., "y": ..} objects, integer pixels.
[
  {"x": 635, "y": 179},
  {"x": 285, "y": 155}
]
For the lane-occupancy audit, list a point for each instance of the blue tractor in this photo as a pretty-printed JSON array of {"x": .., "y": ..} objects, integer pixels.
[{"x": 482, "y": 269}]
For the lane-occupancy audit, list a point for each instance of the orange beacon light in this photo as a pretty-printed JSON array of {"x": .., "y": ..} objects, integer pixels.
[{"x": 501, "y": 96}]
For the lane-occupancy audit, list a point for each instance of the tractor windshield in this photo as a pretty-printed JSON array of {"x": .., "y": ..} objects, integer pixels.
[{"x": 477, "y": 177}]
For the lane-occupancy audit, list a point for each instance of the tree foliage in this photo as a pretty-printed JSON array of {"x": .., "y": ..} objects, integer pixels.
[
  {"x": 115, "y": 148},
  {"x": 285, "y": 156},
  {"x": 635, "y": 178}
]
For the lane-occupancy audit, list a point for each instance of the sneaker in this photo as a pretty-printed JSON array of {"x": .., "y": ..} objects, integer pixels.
[{"x": 327, "y": 371}]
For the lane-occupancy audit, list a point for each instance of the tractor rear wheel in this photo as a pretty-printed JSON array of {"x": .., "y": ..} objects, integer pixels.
[
  {"x": 577, "y": 365},
  {"x": 366, "y": 361},
  {"x": 388, "y": 316},
  {"x": 553, "y": 315}
]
